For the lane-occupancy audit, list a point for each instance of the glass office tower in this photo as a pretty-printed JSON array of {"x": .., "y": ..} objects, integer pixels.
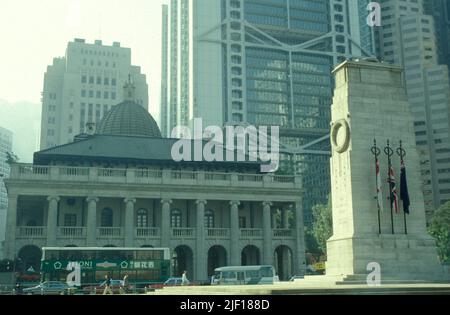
[{"x": 265, "y": 63}]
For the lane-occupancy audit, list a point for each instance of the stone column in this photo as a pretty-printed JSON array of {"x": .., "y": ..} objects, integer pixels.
[
  {"x": 52, "y": 220},
  {"x": 201, "y": 257},
  {"x": 267, "y": 235},
  {"x": 299, "y": 253},
  {"x": 235, "y": 256},
  {"x": 129, "y": 221},
  {"x": 165, "y": 223},
  {"x": 91, "y": 222},
  {"x": 11, "y": 227}
]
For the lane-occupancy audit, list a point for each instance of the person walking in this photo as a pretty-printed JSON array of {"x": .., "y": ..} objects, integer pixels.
[
  {"x": 107, "y": 286},
  {"x": 125, "y": 284},
  {"x": 184, "y": 279}
]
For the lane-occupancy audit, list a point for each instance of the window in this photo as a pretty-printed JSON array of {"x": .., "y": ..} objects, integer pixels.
[
  {"x": 106, "y": 219},
  {"x": 83, "y": 79},
  {"x": 113, "y": 82},
  {"x": 99, "y": 80},
  {"x": 106, "y": 81},
  {"x": 175, "y": 218},
  {"x": 142, "y": 218},
  {"x": 242, "y": 222},
  {"x": 209, "y": 219},
  {"x": 91, "y": 80},
  {"x": 70, "y": 219}
]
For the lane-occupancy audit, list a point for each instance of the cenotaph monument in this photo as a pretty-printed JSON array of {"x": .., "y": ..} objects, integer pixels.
[{"x": 370, "y": 103}]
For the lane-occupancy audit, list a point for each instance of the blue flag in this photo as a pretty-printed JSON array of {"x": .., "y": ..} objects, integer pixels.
[{"x": 404, "y": 194}]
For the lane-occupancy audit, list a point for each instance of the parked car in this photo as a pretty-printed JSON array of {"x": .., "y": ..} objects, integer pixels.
[
  {"x": 116, "y": 287},
  {"x": 48, "y": 288},
  {"x": 171, "y": 282}
]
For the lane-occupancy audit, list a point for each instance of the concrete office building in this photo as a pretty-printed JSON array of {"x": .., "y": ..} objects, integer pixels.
[
  {"x": 208, "y": 214},
  {"x": 407, "y": 38},
  {"x": 82, "y": 86},
  {"x": 263, "y": 63},
  {"x": 5, "y": 147}
]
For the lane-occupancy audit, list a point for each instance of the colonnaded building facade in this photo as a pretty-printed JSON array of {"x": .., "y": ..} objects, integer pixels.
[{"x": 119, "y": 186}]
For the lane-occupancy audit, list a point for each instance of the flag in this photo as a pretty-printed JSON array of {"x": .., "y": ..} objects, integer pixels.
[
  {"x": 404, "y": 194},
  {"x": 379, "y": 192},
  {"x": 393, "y": 190}
]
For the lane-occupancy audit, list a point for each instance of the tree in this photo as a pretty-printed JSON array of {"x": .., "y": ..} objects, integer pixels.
[
  {"x": 323, "y": 225},
  {"x": 440, "y": 229},
  {"x": 11, "y": 158}
]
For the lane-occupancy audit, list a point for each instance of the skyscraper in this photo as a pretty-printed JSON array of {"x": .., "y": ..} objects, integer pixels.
[
  {"x": 82, "y": 86},
  {"x": 264, "y": 63},
  {"x": 5, "y": 147},
  {"x": 440, "y": 10},
  {"x": 407, "y": 37}
]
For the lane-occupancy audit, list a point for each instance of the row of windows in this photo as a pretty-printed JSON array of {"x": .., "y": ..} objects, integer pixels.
[
  {"x": 98, "y": 94},
  {"x": 98, "y": 80},
  {"x": 142, "y": 219}
]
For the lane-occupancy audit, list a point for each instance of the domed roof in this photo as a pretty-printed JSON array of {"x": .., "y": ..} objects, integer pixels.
[{"x": 129, "y": 119}]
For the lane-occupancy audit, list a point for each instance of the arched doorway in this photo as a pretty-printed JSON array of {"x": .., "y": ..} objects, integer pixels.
[
  {"x": 217, "y": 257},
  {"x": 182, "y": 260},
  {"x": 250, "y": 256},
  {"x": 284, "y": 262},
  {"x": 30, "y": 258}
]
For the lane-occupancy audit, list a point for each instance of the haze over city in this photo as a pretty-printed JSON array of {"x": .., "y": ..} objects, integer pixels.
[{"x": 38, "y": 31}]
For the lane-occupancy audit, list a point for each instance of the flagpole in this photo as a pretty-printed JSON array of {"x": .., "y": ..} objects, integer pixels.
[
  {"x": 389, "y": 152},
  {"x": 376, "y": 152},
  {"x": 402, "y": 153}
]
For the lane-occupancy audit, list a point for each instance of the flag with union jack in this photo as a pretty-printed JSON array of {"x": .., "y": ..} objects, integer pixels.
[
  {"x": 379, "y": 191},
  {"x": 393, "y": 190}
]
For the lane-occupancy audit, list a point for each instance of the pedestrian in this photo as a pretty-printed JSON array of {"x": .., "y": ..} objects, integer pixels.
[
  {"x": 107, "y": 285},
  {"x": 184, "y": 279},
  {"x": 125, "y": 284}
]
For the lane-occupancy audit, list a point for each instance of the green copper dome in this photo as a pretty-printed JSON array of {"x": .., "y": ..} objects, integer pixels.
[{"x": 128, "y": 119}]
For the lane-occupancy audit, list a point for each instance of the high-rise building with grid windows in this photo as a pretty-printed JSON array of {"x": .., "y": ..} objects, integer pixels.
[
  {"x": 408, "y": 37},
  {"x": 82, "y": 86},
  {"x": 263, "y": 63},
  {"x": 5, "y": 148}
]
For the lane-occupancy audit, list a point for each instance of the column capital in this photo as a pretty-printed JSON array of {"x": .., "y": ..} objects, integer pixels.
[
  {"x": 235, "y": 203},
  {"x": 92, "y": 198},
  {"x": 201, "y": 201},
  {"x": 53, "y": 198},
  {"x": 129, "y": 200},
  {"x": 267, "y": 204},
  {"x": 166, "y": 201}
]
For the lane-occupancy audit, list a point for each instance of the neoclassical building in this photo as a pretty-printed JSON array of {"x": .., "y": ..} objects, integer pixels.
[{"x": 119, "y": 186}]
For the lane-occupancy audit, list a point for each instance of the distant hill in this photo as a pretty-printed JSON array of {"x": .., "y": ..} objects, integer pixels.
[{"x": 24, "y": 120}]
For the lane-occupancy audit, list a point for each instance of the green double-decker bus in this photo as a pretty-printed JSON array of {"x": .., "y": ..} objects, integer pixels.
[{"x": 144, "y": 266}]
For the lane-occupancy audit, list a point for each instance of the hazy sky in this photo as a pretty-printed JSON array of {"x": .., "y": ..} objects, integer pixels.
[{"x": 33, "y": 32}]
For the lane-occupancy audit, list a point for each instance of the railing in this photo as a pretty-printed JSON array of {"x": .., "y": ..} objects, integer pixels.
[
  {"x": 111, "y": 172},
  {"x": 217, "y": 232},
  {"x": 150, "y": 176},
  {"x": 284, "y": 179},
  {"x": 282, "y": 233},
  {"x": 218, "y": 176},
  {"x": 31, "y": 231},
  {"x": 183, "y": 232},
  {"x": 72, "y": 232},
  {"x": 251, "y": 233},
  {"x": 109, "y": 232},
  {"x": 34, "y": 170},
  {"x": 147, "y": 232},
  {"x": 74, "y": 171},
  {"x": 148, "y": 173},
  {"x": 183, "y": 175},
  {"x": 250, "y": 178}
]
